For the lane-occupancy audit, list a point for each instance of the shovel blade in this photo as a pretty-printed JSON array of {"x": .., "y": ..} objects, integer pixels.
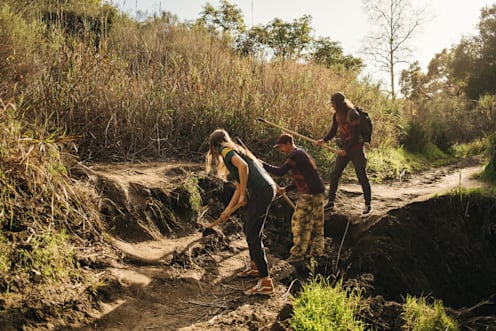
[{"x": 208, "y": 232}]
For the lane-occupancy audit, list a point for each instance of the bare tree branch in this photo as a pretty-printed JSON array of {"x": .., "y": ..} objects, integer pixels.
[{"x": 395, "y": 23}]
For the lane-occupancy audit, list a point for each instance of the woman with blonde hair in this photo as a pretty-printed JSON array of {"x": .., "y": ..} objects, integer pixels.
[{"x": 255, "y": 189}]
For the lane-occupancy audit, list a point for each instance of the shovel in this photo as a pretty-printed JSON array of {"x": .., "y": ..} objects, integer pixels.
[
  {"x": 294, "y": 133},
  {"x": 209, "y": 231}
]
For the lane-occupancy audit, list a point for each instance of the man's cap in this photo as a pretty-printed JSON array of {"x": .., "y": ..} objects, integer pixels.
[
  {"x": 338, "y": 97},
  {"x": 283, "y": 139}
]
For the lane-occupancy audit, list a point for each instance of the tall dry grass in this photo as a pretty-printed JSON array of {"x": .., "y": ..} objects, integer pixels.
[
  {"x": 158, "y": 88},
  {"x": 44, "y": 213}
]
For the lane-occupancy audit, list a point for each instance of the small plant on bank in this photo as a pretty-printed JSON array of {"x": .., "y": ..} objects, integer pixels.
[
  {"x": 194, "y": 191},
  {"x": 420, "y": 316},
  {"x": 324, "y": 306},
  {"x": 470, "y": 149},
  {"x": 49, "y": 255}
]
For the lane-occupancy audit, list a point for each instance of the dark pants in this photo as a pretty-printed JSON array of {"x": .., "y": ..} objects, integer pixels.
[
  {"x": 359, "y": 163},
  {"x": 256, "y": 213}
]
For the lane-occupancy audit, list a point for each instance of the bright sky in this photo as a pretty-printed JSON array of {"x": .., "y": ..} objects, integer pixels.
[{"x": 344, "y": 21}]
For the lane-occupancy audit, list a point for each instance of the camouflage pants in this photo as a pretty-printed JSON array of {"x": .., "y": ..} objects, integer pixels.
[{"x": 307, "y": 225}]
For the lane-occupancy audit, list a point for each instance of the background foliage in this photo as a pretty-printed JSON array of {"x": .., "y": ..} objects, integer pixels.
[{"x": 126, "y": 89}]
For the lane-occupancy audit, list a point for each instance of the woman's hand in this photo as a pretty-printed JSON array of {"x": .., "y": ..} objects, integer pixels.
[
  {"x": 229, "y": 210},
  {"x": 225, "y": 215},
  {"x": 242, "y": 200}
]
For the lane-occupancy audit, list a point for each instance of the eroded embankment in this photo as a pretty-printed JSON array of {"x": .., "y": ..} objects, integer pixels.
[{"x": 444, "y": 247}]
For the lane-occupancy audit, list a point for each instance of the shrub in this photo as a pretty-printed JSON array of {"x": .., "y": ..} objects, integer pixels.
[
  {"x": 322, "y": 306},
  {"x": 420, "y": 316},
  {"x": 19, "y": 42},
  {"x": 40, "y": 205},
  {"x": 439, "y": 135},
  {"x": 415, "y": 137}
]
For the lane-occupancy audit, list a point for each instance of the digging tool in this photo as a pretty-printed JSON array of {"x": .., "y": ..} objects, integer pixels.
[
  {"x": 209, "y": 231},
  {"x": 288, "y": 200},
  {"x": 293, "y": 133}
]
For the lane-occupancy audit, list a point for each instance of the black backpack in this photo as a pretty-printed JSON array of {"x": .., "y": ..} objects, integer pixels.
[{"x": 366, "y": 126}]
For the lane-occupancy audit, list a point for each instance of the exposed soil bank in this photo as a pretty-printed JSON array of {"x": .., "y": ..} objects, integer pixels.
[
  {"x": 444, "y": 247},
  {"x": 161, "y": 274}
]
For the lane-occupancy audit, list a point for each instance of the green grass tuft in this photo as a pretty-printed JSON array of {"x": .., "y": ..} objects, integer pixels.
[
  {"x": 323, "y": 306},
  {"x": 421, "y": 316}
]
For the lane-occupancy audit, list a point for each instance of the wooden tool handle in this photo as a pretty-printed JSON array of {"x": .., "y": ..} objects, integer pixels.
[
  {"x": 220, "y": 220},
  {"x": 297, "y": 134}
]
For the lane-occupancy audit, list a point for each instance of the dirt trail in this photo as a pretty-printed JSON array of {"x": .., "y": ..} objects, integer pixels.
[
  {"x": 411, "y": 188},
  {"x": 189, "y": 283}
]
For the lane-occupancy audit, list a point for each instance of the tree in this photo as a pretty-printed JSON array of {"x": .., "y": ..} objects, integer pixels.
[
  {"x": 474, "y": 60},
  {"x": 330, "y": 54},
  {"x": 253, "y": 42},
  {"x": 396, "y": 23},
  {"x": 440, "y": 74},
  {"x": 285, "y": 40},
  {"x": 289, "y": 40},
  {"x": 227, "y": 18},
  {"x": 413, "y": 82}
]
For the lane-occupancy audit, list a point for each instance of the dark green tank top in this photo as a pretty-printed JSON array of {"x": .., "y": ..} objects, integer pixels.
[{"x": 257, "y": 176}]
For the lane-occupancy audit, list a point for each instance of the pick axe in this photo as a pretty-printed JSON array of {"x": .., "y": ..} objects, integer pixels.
[{"x": 294, "y": 133}]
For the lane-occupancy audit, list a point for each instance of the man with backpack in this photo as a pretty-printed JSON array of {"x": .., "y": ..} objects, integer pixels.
[{"x": 346, "y": 125}]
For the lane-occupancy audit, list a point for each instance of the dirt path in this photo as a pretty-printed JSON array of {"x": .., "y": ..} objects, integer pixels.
[
  {"x": 187, "y": 284},
  {"x": 202, "y": 295},
  {"x": 411, "y": 188}
]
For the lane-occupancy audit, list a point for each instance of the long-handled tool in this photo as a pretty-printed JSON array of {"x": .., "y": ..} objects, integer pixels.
[
  {"x": 288, "y": 200},
  {"x": 208, "y": 230},
  {"x": 293, "y": 133}
]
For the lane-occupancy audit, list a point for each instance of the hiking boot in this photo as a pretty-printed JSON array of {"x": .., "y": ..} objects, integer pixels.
[
  {"x": 367, "y": 210},
  {"x": 264, "y": 287},
  {"x": 329, "y": 206},
  {"x": 250, "y": 271}
]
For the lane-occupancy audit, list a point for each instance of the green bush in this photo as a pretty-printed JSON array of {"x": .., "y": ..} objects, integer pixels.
[
  {"x": 415, "y": 137},
  {"x": 440, "y": 136},
  {"x": 420, "y": 316},
  {"x": 323, "y": 306},
  {"x": 473, "y": 148}
]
